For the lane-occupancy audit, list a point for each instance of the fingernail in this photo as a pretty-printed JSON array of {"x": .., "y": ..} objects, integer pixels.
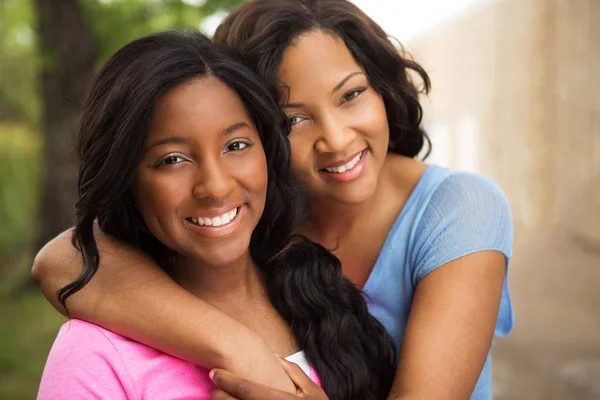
[{"x": 211, "y": 375}]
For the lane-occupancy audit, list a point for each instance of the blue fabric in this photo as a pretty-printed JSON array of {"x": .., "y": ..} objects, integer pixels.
[{"x": 449, "y": 214}]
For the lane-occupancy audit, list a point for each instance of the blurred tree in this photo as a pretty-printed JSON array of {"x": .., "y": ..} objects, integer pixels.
[{"x": 67, "y": 51}]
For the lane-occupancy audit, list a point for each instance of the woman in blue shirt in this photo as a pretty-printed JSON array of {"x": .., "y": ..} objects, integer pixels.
[{"x": 428, "y": 246}]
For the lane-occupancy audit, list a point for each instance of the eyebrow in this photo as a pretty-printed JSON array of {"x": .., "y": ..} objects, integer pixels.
[
  {"x": 169, "y": 140},
  {"x": 346, "y": 79},
  {"x": 230, "y": 129},
  {"x": 335, "y": 89},
  {"x": 181, "y": 140},
  {"x": 293, "y": 105}
]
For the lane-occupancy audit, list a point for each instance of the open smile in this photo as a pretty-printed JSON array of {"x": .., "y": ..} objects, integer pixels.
[
  {"x": 218, "y": 225},
  {"x": 219, "y": 220},
  {"x": 347, "y": 169}
]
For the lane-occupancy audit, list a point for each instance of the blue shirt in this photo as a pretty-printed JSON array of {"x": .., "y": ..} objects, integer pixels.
[{"x": 449, "y": 214}]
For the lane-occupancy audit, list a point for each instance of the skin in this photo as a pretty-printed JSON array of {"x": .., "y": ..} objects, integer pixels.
[{"x": 331, "y": 121}]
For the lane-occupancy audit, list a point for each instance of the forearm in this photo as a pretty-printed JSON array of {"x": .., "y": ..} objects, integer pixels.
[
  {"x": 131, "y": 296},
  {"x": 450, "y": 329},
  {"x": 188, "y": 328},
  {"x": 193, "y": 330}
]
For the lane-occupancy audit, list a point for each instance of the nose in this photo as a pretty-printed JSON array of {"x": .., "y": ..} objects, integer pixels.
[
  {"x": 334, "y": 135},
  {"x": 213, "y": 181}
]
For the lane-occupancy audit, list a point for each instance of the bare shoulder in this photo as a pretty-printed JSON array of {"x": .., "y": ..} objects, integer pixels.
[
  {"x": 59, "y": 248},
  {"x": 61, "y": 243}
]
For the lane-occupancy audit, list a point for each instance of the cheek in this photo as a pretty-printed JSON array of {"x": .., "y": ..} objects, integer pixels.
[
  {"x": 158, "y": 196},
  {"x": 373, "y": 118}
]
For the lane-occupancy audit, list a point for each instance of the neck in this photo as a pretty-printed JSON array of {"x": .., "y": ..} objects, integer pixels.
[
  {"x": 223, "y": 286},
  {"x": 329, "y": 221}
]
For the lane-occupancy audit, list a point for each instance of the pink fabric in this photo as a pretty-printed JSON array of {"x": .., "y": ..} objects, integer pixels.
[{"x": 89, "y": 362}]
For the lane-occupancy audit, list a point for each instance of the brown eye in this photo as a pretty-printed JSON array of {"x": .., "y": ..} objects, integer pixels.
[
  {"x": 295, "y": 120},
  {"x": 352, "y": 95},
  {"x": 236, "y": 146},
  {"x": 171, "y": 160}
]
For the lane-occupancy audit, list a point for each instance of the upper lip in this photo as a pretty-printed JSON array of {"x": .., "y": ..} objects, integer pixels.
[
  {"x": 213, "y": 212},
  {"x": 344, "y": 161}
]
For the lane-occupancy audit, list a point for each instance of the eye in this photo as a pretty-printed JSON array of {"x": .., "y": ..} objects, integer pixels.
[
  {"x": 351, "y": 95},
  {"x": 236, "y": 146},
  {"x": 170, "y": 160},
  {"x": 295, "y": 119}
]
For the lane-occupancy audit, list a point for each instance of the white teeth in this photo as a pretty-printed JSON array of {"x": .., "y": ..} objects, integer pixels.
[
  {"x": 346, "y": 167},
  {"x": 215, "y": 221}
]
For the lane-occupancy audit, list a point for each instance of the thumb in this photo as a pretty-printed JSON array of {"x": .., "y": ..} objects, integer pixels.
[{"x": 297, "y": 375}]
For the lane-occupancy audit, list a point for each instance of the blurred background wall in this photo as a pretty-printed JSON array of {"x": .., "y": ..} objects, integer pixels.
[{"x": 516, "y": 96}]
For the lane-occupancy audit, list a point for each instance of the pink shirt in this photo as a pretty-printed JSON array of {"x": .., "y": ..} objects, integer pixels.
[{"x": 89, "y": 362}]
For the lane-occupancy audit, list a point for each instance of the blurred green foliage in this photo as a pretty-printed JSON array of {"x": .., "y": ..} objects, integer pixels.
[
  {"x": 117, "y": 22},
  {"x": 28, "y": 324},
  {"x": 18, "y": 64},
  {"x": 112, "y": 22},
  {"x": 19, "y": 187}
]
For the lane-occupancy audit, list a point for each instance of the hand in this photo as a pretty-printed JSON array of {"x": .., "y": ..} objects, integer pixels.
[{"x": 231, "y": 387}]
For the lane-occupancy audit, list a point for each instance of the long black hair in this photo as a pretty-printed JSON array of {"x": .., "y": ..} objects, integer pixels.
[
  {"x": 351, "y": 351},
  {"x": 259, "y": 32}
]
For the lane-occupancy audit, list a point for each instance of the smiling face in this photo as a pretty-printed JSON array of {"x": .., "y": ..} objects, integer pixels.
[
  {"x": 202, "y": 180},
  {"x": 340, "y": 131}
]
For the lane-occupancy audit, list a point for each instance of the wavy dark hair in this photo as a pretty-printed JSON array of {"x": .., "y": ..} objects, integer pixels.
[
  {"x": 260, "y": 31},
  {"x": 349, "y": 348}
]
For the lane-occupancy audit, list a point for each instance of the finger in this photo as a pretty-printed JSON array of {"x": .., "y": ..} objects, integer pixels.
[
  {"x": 243, "y": 389},
  {"x": 297, "y": 375},
  {"x": 219, "y": 394}
]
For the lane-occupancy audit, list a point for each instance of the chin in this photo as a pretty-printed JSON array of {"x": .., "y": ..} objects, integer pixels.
[
  {"x": 350, "y": 199},
  {"x": 353, "y": 194},
  {"x": 222, "y": 254},
  {"x": 221, "y": 258}
]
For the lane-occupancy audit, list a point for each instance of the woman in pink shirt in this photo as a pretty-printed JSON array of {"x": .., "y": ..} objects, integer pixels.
[{"x": 183, "y": 154}]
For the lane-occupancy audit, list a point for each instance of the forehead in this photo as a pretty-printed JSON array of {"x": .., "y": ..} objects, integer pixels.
[
  {"x": 316, "y": 58},
  {"x": 205, "y": 104}
]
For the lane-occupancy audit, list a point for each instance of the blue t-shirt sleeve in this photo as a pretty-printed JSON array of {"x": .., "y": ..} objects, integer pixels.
[{"x": 467, "y": 213}]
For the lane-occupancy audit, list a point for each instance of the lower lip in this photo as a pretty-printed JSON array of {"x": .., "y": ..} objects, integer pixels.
[
  {"x": 349, "y": 175},
  {"x": 217, "y": 231}
]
